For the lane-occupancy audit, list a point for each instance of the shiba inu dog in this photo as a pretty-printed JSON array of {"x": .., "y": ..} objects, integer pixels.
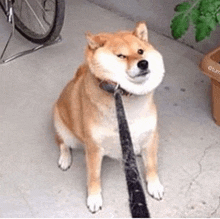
[{"x": 85, "y": 112}]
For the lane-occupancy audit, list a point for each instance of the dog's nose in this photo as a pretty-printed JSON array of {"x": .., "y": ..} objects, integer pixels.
[{"x": 143, "y": 64}]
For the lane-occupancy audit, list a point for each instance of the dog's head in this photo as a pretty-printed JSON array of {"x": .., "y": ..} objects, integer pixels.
[{"x": 126, "y": 58}]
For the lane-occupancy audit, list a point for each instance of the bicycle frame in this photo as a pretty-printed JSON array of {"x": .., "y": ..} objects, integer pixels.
[{"x": 8, "y": 8}]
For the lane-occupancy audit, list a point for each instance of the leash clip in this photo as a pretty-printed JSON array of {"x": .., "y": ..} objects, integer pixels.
[{"x": 117, "y": 89}]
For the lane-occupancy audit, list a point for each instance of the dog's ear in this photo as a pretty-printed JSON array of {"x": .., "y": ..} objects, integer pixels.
[
  {"x": 94, "y": 41},
  {"x": 141, "y": 31}
]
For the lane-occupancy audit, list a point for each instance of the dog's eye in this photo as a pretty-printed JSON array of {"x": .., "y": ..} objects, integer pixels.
[
  {"x": 140, "y": 51},
  {"x": 121, "y": 56}
]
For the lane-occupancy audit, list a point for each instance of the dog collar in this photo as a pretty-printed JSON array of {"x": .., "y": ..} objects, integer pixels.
[{"x": 111, "y": 87}]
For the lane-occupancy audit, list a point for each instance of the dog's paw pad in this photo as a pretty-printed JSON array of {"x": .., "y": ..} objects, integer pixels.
[
  {"x": 94, "y": 203},
  {"x": 65, "y": 162},
  {"x": 155, "y": 189}
]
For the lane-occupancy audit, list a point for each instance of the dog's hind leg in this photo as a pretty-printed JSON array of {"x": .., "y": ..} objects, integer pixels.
[
  {"x": 65, "y": 158},
  {"x": 65, "y": 140}
]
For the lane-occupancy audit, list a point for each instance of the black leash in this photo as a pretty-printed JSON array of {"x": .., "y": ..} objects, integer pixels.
[{"x": 137, "y": 201}]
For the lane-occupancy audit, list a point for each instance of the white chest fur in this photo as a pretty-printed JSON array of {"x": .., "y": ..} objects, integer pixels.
[{"x": 140, "y": 120}]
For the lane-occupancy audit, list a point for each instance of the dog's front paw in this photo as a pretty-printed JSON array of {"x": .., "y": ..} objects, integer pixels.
[
  {"x": 94, "y": 202},
  {"x": 155, "y": 189}
]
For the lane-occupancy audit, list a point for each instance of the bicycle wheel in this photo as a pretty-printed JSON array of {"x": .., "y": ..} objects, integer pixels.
[{"x": 40, "y": 21}]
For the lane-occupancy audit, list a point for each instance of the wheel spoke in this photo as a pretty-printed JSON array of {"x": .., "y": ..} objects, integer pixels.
[{"x": 35, "y": 15}]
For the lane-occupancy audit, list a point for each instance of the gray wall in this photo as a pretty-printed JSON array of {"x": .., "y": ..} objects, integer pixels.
[{"x": 158, "y": 14}]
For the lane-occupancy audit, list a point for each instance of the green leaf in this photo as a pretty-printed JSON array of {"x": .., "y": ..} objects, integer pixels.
[
  {"x": 209, "y": 20},
  {"x": 212, "y": 23},
  {"x": 182, "y": 7},
  {"x": 207, "y": 6},
  {"x": 195, "y": 15},
  {"x": 218, "y": 18},
  {"x": 179, "y": 25},
  {"x": 216, "y": 3},
  {"x": 204, "y": 14},
  {"x": 203, "y": 30}
]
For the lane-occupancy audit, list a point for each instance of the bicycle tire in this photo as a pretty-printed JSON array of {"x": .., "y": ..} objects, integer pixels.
[{"x": 54, "y": 30}]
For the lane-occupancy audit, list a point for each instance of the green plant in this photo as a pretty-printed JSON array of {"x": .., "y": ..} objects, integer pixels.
[{"x": 204, "y": 15}]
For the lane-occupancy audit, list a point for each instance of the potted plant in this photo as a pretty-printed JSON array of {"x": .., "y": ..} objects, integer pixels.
[{"x": 204, "y": 15}]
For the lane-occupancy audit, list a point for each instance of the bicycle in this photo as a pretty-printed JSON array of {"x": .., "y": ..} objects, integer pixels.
[{"x": 39, "y": 21}]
